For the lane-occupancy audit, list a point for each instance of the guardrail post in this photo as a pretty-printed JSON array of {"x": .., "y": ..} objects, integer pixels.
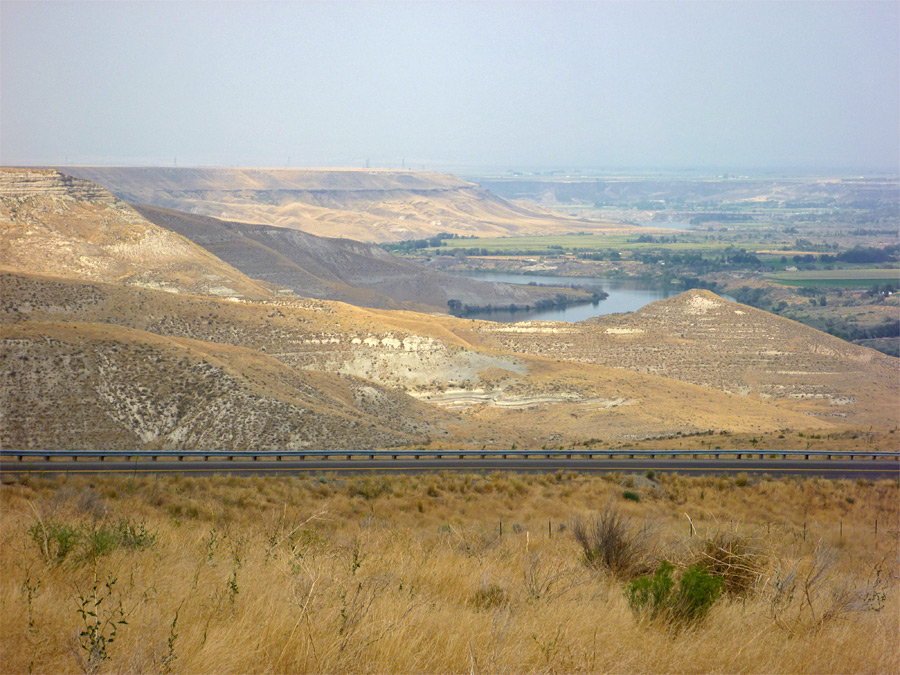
[
  {"x": 180, "y": 458},
  {"x": 371, "y": 456}
]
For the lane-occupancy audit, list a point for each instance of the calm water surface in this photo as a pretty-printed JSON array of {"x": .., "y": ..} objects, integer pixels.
[{"x": 624, "y": 296}]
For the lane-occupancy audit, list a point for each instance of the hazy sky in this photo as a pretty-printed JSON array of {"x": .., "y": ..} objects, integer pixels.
[{"x": 452, "y": 84}]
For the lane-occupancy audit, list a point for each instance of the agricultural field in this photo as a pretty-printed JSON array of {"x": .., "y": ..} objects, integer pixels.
[
  {"x": 844, "y": 278},
  {"x": 449, "y": 573}
]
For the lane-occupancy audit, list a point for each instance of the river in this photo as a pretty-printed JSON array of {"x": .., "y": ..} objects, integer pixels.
[{"x": 625, "y": 295}]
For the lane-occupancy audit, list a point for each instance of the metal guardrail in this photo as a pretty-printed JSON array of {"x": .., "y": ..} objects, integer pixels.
[{"x": 279, "y": 455}]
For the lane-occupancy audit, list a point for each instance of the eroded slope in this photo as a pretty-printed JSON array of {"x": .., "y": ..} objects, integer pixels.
[
  {"x": 700, "y": 338},
  {"x": 81, "y": 385},
  {"x": 494, "y": 397},
  {"x": 52, "y": 223}
]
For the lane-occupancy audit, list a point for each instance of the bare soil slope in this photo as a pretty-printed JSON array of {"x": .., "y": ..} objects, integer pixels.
[
  {"x": 366, "y": 205},
  {"x": 55, "y": 224},
  {"x": 700, "y": 338},
  {"x": 338, "y": 269},
  {"x": 475, "y": 395},
  {"x": 70, "y": 385}
]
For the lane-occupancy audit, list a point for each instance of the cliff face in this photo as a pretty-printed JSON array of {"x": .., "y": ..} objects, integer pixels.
[
  {"x": 366, "y": 205},
  {"x": 49, "y": 182},
  {"x": 65, "y": 226}
]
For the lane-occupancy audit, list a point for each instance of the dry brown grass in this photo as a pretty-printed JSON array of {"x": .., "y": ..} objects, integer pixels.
[{"x": 411, "y": 574}]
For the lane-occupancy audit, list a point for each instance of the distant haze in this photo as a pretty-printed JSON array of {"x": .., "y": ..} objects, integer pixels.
[{"x": 452, "y": 85}]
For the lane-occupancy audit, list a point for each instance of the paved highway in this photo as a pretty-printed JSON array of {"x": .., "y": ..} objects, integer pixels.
[{"x": 869, "y": 469}]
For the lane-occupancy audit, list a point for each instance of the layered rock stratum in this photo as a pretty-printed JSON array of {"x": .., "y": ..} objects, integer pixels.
[
  {"x": 362, "y": 204},
  {"x": 52, "y": 223}
]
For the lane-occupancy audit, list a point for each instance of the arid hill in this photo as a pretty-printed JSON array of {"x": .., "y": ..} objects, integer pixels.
[
  {"x": 340, "y": 269},
  {"x": 700, "y": 338},
  {"x": 81, "y": 385},
  {"x": 55, "y": 224},
  {"x": 365, "y": 205},
  {"x": 493, "y": 397}
]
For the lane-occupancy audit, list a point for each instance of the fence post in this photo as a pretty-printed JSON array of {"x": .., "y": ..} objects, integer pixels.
[
  {"x": 549, "y": 529},
  {"x": 501, "y": 527}
]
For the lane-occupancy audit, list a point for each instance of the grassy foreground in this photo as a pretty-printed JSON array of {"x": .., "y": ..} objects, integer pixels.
[{"x": 412, "y": 574}]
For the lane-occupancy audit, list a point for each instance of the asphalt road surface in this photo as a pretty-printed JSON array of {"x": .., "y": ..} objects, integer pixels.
[{"x": 869, "y": 469}]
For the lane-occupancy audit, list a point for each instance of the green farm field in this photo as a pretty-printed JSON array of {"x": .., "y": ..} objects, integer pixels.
[
  {"x": 849, "y": 278},
  {"x": 575, "y": 242}
]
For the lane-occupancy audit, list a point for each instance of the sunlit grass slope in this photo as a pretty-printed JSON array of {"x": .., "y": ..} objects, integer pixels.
[{"x": 439, "y": 573}]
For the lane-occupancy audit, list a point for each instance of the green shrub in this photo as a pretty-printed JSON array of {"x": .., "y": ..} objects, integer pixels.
[
  {"x": 56, "y": 540},
  {"x": 656, "y": 598},
  {"x": 99, "y": 542},
  {"x": 631, "y": 496},
  {"x": 649, "y": 595}
]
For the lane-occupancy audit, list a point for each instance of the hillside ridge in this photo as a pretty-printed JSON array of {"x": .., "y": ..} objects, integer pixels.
[
  {"x": 61, "y": 225},
  {"x": 366, "y": 205}
]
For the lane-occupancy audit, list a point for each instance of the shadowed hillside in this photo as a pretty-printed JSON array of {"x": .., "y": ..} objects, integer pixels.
[{"x": 340, "y": 269}]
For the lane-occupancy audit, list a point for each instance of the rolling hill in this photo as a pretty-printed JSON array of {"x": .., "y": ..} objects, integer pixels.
[
  {"x": 472, "y": 394},
  {"x": 700, "y": 338}
]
